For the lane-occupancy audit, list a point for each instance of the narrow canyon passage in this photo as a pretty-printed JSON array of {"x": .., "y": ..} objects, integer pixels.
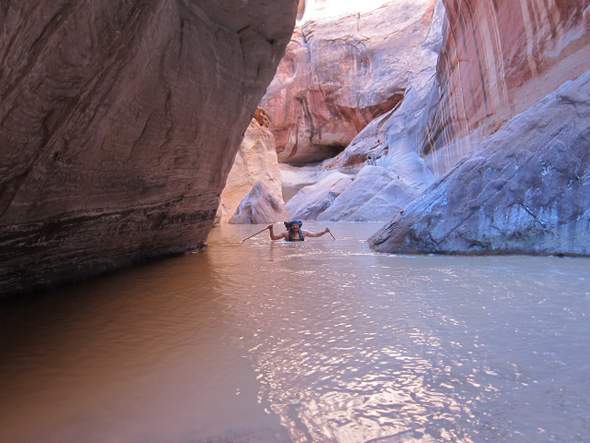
[{"x": 321, "y": 341}]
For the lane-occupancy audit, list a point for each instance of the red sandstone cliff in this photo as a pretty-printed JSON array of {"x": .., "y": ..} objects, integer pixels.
[
  {"x": 500, "y": 57},
  {"x": 119, "y": 122},
  {"x": 339, "y": 74}
]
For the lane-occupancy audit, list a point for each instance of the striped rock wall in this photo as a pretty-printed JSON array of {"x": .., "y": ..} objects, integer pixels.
[{"x": 499, "y": 58}]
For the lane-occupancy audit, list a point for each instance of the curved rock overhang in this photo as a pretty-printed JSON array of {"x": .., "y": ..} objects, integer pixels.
[{"x": 119, "y": 122}]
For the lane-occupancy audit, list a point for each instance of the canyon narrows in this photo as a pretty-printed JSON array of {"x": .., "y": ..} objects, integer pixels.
[
  {"x": 426, "y": 151},
  {"x": 119, "y": 122},
  {"x": 441, "y": 118}
]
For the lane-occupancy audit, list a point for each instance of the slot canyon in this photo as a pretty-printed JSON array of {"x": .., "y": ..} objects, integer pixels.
[{"x": 160, "y": 161}]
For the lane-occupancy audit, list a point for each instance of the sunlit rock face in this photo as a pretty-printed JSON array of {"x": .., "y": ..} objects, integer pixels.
[
  {"x": 525, "y": 190},
  {"x": 331, "y": 9},
  {"x": 498, "y": 59},
  {"x": 260, "y": 205},
  {"x": 256, "y": 161},
  {"x": 340, "y": 73},
  {"x": 385, "y": 155},
  {"x": 314, "y": 199},
  {"x": 509, "y": 144},
  {"x": 119, "y": 122},
  {"x": 374, "y": 195}
]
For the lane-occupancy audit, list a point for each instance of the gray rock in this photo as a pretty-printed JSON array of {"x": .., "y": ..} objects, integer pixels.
[
  {"x": 374, "y": 195},
  {"x": 388, "y": 201},
  {"x": 339, "y": 73},
  {"x": 312, "y": 200},
  {"x": 260, "y": 205},
  {"x": 295, "y": 178},
  {"x": 525, "y": 190}
]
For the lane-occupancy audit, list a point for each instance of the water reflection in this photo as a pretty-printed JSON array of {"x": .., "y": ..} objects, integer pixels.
[
  {"x": 322, "y": 341},
  {"x": 356, "y": 346}
]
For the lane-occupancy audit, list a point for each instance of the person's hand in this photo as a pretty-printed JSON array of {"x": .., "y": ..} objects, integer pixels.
[
  {"x": 327, "y": 230},
  {"x": 269, "y": 227}
]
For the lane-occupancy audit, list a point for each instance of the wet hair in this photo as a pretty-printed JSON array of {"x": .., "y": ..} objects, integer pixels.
[{"x": 289, "y": 224}]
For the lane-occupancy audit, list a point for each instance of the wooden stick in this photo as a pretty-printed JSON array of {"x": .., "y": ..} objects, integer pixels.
[{"x": 254, "y": 235}]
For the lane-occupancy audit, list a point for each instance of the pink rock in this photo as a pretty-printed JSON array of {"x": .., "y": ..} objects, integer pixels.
[
  {"x": 498, "y": 59},
  {"x": 339, "y": 74},
  {"x": 256, "y": 161}
]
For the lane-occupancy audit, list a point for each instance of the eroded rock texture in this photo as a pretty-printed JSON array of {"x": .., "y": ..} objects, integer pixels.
[
  {"x": 119, "y": 122},
  {"x": 339, "y": 74},
  {"x": 256, "y": 161},
  {"x": 517, "y": 187},
  {"x": 385, "y": 155},
  {"x": 526, "y": 189},
  {"x": 498, "y": 59}
]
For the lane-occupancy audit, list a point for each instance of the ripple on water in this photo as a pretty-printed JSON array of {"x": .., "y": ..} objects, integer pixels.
[{"x": 317, "y": 342}]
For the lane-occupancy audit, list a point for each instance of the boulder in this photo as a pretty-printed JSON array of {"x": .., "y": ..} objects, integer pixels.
[
  {"x": 256, "y": 161},
  {"x": 525, "y": 190},
  {"x": 119, "y": 122},
  {"x": 374, "y": 195},
  {"x": 384, "y": 204},
  {"x": 259, "y": 206},
  {"x": 312, "y": 200},
  {"x": 294, "y": 178},
  {"x": 332, "y": 9},
  {"x": 340, "y": 73}
]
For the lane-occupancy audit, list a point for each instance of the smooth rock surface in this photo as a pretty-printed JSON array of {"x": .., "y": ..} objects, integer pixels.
[
  {"x": 294, "y": 178},
  {"x": 314, "y": 10},
  {"x": 119, "y": 122},
  {"x": 260, "y": 205},
  {"x": 340, "y": 73},
  {"x": 312, "y": 200},
  {"x": 256, "y": 161},
  {"x": 525, "y": 190},
  {"x": 374, "y": 195},
  {"x": 390, "y": 147},
  {"x": 394, "y": 140}
]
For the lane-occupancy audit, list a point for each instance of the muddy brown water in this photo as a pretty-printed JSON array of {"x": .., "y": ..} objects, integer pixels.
[{"x": 321, "y": 341}]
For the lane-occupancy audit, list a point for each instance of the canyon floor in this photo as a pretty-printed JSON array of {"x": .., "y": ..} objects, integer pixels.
[{"x": 320, "y": 341}]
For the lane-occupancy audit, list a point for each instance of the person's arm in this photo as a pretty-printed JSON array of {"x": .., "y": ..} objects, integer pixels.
[
  {"x": 273, "y": 237},
  {"x": 316, "y": 234}
]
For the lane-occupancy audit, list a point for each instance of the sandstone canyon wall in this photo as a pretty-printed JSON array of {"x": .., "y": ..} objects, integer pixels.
[
  {"x": 338, "y": 74},
  {"x": 525, "y": 190},
  {"x": 256, "y": 162},
  {"x": 486, "y": 151},
  {"x": 374, "y": 192},
  {"x": 119, "y": 122},
  {"x": 507, "y": 134},
  {"x": 498, "y": 59}
]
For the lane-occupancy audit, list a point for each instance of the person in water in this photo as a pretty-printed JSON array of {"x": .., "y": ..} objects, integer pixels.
[{"x": 294, "y": 232}]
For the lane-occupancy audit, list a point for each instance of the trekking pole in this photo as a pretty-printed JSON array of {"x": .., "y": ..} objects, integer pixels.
[
  {"x": 254, "y": 235},
  {"x": 330, "y": 232}
]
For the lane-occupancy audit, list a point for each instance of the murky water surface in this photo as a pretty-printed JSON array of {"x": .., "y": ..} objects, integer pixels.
[{"x": 323, "y": 341}]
